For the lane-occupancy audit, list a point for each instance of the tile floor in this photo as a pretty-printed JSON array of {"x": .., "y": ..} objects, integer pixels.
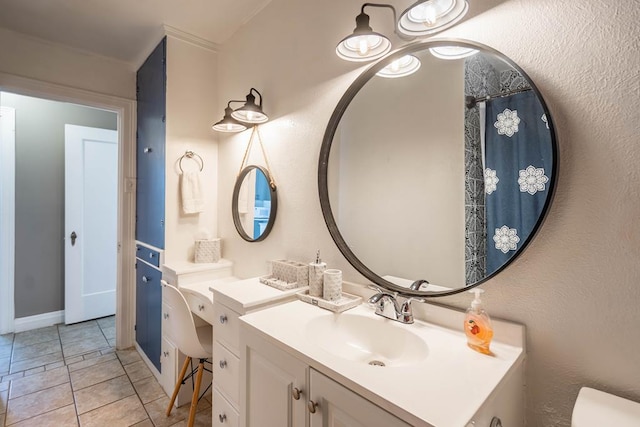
[{"x": 72, "y": 375}]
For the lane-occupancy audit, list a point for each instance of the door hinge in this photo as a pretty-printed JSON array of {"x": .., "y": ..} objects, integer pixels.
[{"x": 135, "y": 327}]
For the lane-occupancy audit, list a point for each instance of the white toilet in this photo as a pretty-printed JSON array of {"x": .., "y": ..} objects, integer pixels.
[{"x": 595, "y": 408}]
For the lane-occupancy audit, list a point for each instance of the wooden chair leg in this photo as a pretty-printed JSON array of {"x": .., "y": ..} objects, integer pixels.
[
  {"x": 176, "y": 389},
  {"x": 196, "y": 393}
]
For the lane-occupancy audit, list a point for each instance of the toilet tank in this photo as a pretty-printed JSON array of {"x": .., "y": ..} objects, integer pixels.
[{"x": 595, "y": 408}]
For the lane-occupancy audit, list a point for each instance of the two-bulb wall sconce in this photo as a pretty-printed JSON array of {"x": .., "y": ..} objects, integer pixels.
[
  {"x": 423, "y": 18},
  {"x": 249, "y": 114}
]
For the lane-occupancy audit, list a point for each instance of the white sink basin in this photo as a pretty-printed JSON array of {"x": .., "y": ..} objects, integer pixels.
[{"x": 371, "y": 340}]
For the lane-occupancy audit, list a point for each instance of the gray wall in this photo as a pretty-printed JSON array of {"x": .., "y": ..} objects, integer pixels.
[{"x": 39, "y": 245}]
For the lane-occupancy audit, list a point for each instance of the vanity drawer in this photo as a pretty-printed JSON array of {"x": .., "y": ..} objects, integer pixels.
[
  {"x": 226, "y": 371},
  {"x": 200, "y": 306},
  {"x": 148, "y": 255},
  {"x": 226, "y": 326},
  {"x": 222, "y": 413}
]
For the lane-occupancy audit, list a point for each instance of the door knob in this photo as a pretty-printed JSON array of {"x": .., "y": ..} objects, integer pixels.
[{"x": 73, "y": 236}]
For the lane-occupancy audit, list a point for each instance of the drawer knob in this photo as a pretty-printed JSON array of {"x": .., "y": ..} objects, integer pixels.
[
  {"x": 145, "y": 279},
  {"x": 150, "y": 254},
  {"x": 147, "y": 150},
  {"x": 295, "y": 393},
  {"x": 223, "y": 364},
  {"x": 223, "y": 318},
  {"x": 165, "y": 315},
  {"x": 201, "y": 307},
  {"x": 312, "y": 406},
  {"x": 166, "y": 353},
  {"x": 222, "y": 417}
]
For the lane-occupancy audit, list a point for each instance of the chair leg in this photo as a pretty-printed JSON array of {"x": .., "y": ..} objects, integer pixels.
[
  {"x": 176, "y": 389},
  {"x": 196, "y": 392}
]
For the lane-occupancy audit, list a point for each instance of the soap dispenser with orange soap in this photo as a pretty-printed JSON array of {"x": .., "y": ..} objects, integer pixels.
[{"x": 477, "y": 325}]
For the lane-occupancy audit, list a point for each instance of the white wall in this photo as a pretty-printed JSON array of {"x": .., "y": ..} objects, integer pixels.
[
  {"x": 40, "y": 60},
  {"x": 191, "y": 110},
  {"x": 576, "y": 287}
]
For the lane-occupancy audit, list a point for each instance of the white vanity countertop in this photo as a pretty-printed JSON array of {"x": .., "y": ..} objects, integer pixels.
[
  {"x": 183, "y": 267},
  {"x": 243, "y": 296},
  {"x": 204, "y": 288},
  {"x": 446, "y": 389}
]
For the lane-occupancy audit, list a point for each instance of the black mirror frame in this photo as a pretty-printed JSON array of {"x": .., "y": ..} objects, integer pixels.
[
  {"x": 330, "y": 131},
  {"x": 234, "y": 204}
]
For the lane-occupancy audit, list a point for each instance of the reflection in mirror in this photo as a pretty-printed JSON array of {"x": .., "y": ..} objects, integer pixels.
[
  {"x": 254, "y": 203},
  {"x": 423, "y": 177}
]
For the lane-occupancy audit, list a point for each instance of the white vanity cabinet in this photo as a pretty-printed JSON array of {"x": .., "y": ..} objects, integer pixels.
[
  {"x": 304, "y": 366},
  {"x": 280, "y": 390},
  {"x": 232, "y": 300}
]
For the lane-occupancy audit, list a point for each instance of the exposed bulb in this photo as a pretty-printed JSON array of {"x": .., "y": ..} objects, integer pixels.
[
  {"x": 249, "y": 116},
  {"x": 363, "y": 46},
  {"x": 395, "y": 65},
  {"x": 229, "y": 127}
]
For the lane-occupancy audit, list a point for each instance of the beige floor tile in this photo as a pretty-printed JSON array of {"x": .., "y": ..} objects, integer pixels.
[
  {"x": 145, "y": 423},
  {"x": 67, "y": 329},
  {"x": 61, "y": 417},
  {"x": 5, "y": 350},
  {"x": 45, "y": 359},
  {"x": 81, "y": 334},
  {"x": 37, "y": 403},
  {"x": 86, "y": 346},
  {"x": 4, "y": 385},
  {"x": 103, "y": 393},
  {"x": 109, "y": 333},
  {"x": 137, "y": 371},
  {"x": 34, "y": 371},
  {"x": 37, "y": 382},
  {"x": 157, "y": 408},
  {"x": 10, "y": 377},
  {"x": 149, "y": 389},
  {"x": 5, "y": 362},
  {"x": 125, "y": 412},
  {"x": 35, "y": 336},
  {"x": 128, "y": 356},
  {"x": 203, "y": 419},
  {"x": 54, "y": 365},
  {"x": 107, "y": 322},
  {"x": 36, "y": 350},
  {"x": 81, "y": 364},
  {"x": 6, "y": 339},
  {"x": 86, "y": 377},
  {"x": 4, "y": 397}
]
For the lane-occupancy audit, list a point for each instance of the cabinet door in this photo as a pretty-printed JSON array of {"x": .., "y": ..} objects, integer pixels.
[
  {"x": 150, "y": 151},
  {"x": 148, "y": 311},
  {"x": 340, "y": 407},
  {"x": 274, "y": 391}
]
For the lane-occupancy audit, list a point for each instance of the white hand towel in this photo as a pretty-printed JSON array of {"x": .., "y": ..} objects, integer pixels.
[{"x": 192, "y": 201}]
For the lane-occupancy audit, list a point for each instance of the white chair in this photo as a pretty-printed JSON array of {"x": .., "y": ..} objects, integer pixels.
[{"x": 195, "y": 342}]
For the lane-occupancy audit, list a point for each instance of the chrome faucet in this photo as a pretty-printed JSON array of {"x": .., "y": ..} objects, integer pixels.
[{"x": 388, "y": 305}]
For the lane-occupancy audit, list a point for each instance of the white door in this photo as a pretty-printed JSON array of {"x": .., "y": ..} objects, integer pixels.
[
  {"x": 91, "y": 222},
  {"x": 7, "y": 216}
]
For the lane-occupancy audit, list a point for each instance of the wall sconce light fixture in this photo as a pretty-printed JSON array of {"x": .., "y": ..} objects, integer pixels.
[
  {"x": 228, "y": 123},
  {"x": 401, "y": 67},
  {"x": 251, "y": 112},
  {"x": 423, "y": 18}
]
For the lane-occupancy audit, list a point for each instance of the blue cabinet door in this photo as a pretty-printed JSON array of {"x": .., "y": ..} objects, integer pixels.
[
  {"x": 150, "y": 152},
  {"x": 149, "y": 311}
]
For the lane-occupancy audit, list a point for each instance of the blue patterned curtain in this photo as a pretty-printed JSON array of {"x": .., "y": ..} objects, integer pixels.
[{"x": 517, "y": 167}]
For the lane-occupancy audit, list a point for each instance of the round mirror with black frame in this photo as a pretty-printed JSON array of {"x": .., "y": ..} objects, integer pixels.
[
  {"x": 434, "y": 182},
  {"x": 254, "y": 203}
]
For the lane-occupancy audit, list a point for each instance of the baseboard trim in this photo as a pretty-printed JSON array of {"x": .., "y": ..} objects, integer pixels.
[{"x": 28, "y": 323}]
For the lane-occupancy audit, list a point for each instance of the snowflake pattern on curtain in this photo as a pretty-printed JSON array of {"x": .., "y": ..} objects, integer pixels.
[
  {"x": 532, "y": 180},
  {"x": 490, "y": 181},
  {"x": 507, "y": 122},
  {"x": 506, "y": 239}
]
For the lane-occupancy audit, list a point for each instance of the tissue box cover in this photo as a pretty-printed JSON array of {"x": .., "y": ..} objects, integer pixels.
[{"x": 207, "y": 250}]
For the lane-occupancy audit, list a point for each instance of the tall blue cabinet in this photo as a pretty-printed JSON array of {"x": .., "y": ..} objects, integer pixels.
[{"x": 150, "y": 200}]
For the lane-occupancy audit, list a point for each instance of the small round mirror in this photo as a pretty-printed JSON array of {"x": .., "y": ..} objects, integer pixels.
[{"x": 254, "y": 203}]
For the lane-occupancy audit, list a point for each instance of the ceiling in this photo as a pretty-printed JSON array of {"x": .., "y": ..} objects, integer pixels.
[{"x": 125, "y": 29}]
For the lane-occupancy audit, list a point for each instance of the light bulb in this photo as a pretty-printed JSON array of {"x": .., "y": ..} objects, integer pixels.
[
  {"x": 395, "y": 65},
  {"x": 363, "y": 46},
  {"x": 229, "y": 127},
  {"x": 249, "y": 116}
]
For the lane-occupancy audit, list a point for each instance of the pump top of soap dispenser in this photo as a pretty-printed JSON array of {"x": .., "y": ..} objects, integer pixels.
[{"x": 476, "y": 304}]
